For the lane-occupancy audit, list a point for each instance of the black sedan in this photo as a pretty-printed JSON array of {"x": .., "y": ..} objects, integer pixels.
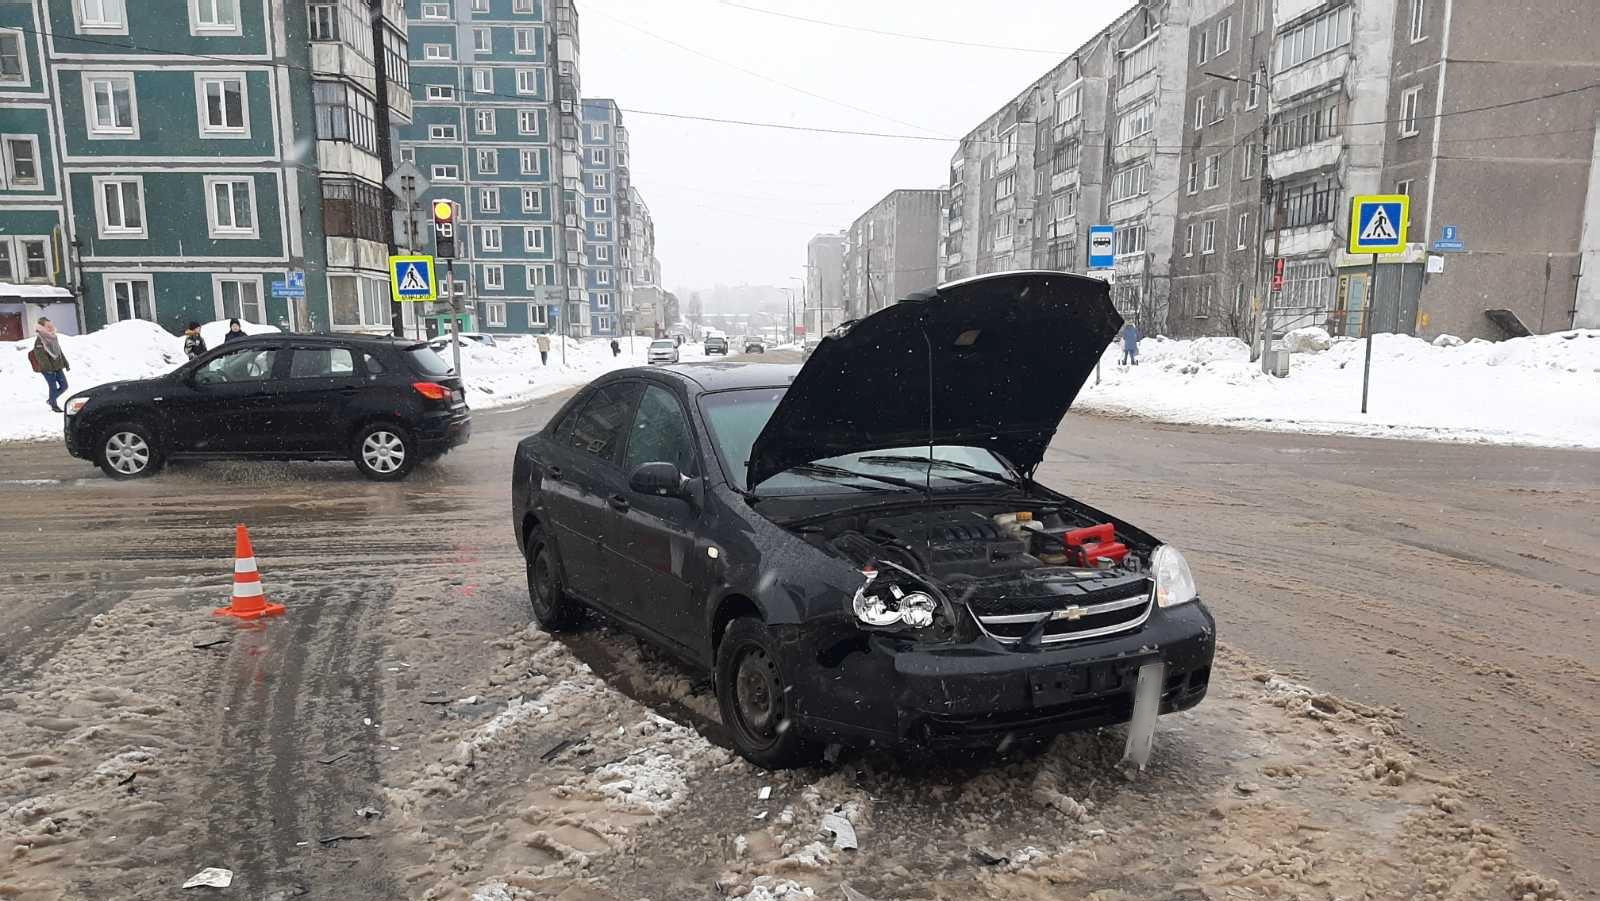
[
  {"x": 856, "y": 548},
  {"x": 384, "y": 403}
]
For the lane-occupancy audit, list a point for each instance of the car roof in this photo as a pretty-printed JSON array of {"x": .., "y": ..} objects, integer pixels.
[
  {"x": 722, "y": 376},
  {"x": 361, "y": 340}
]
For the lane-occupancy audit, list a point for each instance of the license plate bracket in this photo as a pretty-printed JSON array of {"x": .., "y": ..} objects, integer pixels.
[{"x": 1053, "y": 685}]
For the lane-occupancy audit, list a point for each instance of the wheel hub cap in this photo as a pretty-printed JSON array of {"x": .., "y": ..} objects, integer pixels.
[
  {"x": 127, "y": 452},
  {"x": 383, "y": 451}
]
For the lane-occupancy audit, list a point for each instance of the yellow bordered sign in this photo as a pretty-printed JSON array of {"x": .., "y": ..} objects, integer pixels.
[
  {"x": 1378, "y": 223},
  {"x": 413, "y": 279}
]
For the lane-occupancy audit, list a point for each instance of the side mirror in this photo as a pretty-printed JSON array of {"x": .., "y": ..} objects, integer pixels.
[{"x": 660, "y": 479}]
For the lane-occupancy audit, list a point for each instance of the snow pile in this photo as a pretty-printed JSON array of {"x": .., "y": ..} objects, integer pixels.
[
  {"x": 510, "y": 372},
  {"x": 1537, "y": 390}
]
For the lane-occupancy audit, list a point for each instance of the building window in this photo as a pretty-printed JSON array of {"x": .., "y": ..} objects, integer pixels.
[
  {"x": 102, "y": 15},
  {"x": 494, "y": 314},
  {"x": 1191, "y": 182},
  {"x": 1259, "y": 20},
  {"x": 239, "y": 298},
  {"x": 1199, "y": 112},
  {"x": 1308, "y": 284},
  {"x": 489, "y": 200},
  {"x": 121, "y": 202},
  {"x": 1252, "y": 93},
  {"x": 1065, "y": 158},
  {"x": 1224, "y": 35},
  {"x": 531, "y": 162},
  {"x": 441, "y": 92},
  {"x": 1135, "y": 122},
  {"x": 1241, "y": 232},
  {"x": 532, "y": 200},
  {"x": 1408, "y": 112},
  {"x": 13, "y": 62},
  {"x": 533, "y": 239},
  {"x": 480, "y": 6},
  {"x": 1188, "y": 240},
  {"x": 436, "y": 51},
  {"x": 494, "y": 279},
  {"x": 603, "y": 229},
  {"x": 597, "y": 132},
  {"x": 1314, "y": 37},
  {"x": 484, "y": 121},
  {"x": 408, "y": 154},
  {"x": 602, "y": 277},
  {"x": 1213, "y": 170},
  {"x": 1202, "y": 47},
  {"x": 324, "y": 20},
  {"x": 488, "y": 162},
  {"x": 1310, "y": 203},
  {"x": 482, "y": 40},
  {"x": 20, "y": 167},
  {"x": 344, "y": 114},
  {"x": 597, "y": 156},
  {"x": 1131, "y": 182},
  {"x": 231, "y": 209},
  {"x": 1219, "y": 109},
  {"x": 527, "y": 40},
  {"x": 222, "y": 106},
  {"x": 1137, "y": 61},
  {"x": 1307, "y": 122},
  {"x": 1130, "y": 237},
  {"x": 1418, "y": 26},
  {"x": 600, "y": 182},
  {"x": 129, "y": 297},
  {"x": 528, "y": 81},
  {"x": 446, "y": 173},
  {"x": 113, "y": 108},
  {"x": 482, "y": 81},
  {"x": 1403, "y": 186},
  {"x": 489, "y": 238},
  {"x": 1069, "y": 105},
  {"x": 436, "y": 10},
  {"x": 1208, "y": 236},
  {"x": 1202, "y": 307},
  {"x": 214, "y": 16},
  {"x": 353, "y": 209},
  {"x": 601, "y": 206},
  {"x": 538, "y": 277},
  {"x": 602, "y": 254},
  {"x": 536, "y": 312},
  {"x": 522, "y": 6},
  {"x": 603, "y": 300},
  {"x": 528, "y": 122},
  {"x": 445, "y": 132},
  {"x": 358, "y": 302},
  {"x": 1247, "y": 165}
]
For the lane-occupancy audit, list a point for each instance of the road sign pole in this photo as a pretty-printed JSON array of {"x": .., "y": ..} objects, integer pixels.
[
  {"x": 1372, "y": 301},
  {"x": 455, "y": 320}
]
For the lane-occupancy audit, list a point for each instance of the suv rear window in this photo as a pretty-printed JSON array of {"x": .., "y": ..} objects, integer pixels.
[{"x": 427, "y": 362}]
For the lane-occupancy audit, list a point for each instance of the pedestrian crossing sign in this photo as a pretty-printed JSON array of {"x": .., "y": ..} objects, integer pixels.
[
  {"x": 412, "y": 279},
  {"x": 1378, "y": 223}
]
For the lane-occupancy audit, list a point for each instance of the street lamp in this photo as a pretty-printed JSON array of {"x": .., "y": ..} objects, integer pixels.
[{"x": 1265, "y": 335}]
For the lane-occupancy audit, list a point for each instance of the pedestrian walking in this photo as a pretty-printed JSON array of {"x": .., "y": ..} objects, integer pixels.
[
  {"x": 235, "y": 331},
  {"x": 544, "y": 350},
  {"x": 615, "y": 347},
  {"x": 49, "y": 361},
  {"x": 193, "y": 344},
  {"x": 1130, "y": 345}
]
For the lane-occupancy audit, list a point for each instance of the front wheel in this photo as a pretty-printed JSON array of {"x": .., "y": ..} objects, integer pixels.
[
  {"x": 755, "y": 701},
  {"x": 128, "y": 450},
  {"x": 385, "y": 452},
  {"x": 553, "y": 609}
]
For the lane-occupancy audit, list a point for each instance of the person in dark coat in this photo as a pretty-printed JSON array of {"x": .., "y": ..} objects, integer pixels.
[
  {"x": 193, "y": 344},
  {"x": 615, "y": 347},
  {"x": 1130, "y": 344},
  {"x": 235, "y": 331},
  {"x": 49, "y": 360}
]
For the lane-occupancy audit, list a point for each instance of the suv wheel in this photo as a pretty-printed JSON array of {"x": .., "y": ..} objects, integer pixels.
[
  {"x": 385, "y": 452},
  {"x": 755, "y": 701},
  {"x": 553, "y": 609},
  {"x": 128, "y": 450}
]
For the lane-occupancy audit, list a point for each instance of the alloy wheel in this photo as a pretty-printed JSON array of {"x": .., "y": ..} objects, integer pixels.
[
  {"x": 383, "y": 451},
  {"x": 127, "y": 452}
]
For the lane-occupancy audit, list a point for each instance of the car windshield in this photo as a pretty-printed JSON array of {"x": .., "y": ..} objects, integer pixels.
[
  {"x": 736, "y": 418},
  {"x": 662, "y": 345},
  {"x": 429, "y": 363}
]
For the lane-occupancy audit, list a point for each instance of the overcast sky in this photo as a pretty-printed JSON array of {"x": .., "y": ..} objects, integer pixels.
[{"x": 735, "y": 204}]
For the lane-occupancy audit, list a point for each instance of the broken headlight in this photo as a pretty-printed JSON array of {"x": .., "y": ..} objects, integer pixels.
[
  {"x": 1174, "y": 583},
  {"x": 887, "y": 606}
]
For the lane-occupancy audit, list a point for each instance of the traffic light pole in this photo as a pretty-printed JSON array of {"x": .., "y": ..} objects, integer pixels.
[{"x": 455, "y": 320}]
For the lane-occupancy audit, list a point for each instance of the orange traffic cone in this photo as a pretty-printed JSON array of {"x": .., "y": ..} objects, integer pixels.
[{"x": 249, "y": 601}]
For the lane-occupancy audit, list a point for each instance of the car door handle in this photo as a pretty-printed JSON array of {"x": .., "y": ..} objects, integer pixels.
[
  {"x": 553, "y": 472},
  {"x": 349, "y": 389},
  {"x": 618, "y": 503}
]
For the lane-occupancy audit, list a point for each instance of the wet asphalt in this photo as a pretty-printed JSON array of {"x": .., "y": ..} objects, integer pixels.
[{"x": 1455, "y": 583}]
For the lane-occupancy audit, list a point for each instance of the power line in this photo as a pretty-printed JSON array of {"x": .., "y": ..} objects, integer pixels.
[{"x": 893, "y": 34}]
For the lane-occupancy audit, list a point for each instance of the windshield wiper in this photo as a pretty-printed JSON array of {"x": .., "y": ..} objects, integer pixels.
[
  {"x": 948, "y": 464},
  {"x": 839, "y": 471}
]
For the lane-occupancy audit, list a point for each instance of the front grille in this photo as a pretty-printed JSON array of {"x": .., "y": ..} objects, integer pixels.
[{"x": 1067, "y": 622}]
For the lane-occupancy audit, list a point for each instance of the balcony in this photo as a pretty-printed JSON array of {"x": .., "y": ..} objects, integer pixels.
[
  {"x": 1003, "y": 245},
  {"x": 1317, "y": 238},
  {"x": 1136, "y": 89},
  {"x": 1327, "y": 68},
  {"x": 400, "y": 103},
  {"x": 1323, "y": 154},
  {"x": 1005, "y": 204},
  {"x": 395, "y": 12},
  {"x": 1062, "y": 180},
  {"x": 343, "y": 157},
  {"x": 355, "y": 253},
  {"x": 1006, "y": 163},
  {"x": 337, "y": 60}
]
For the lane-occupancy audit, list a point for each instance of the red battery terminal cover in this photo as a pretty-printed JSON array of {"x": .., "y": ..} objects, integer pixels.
[{"x": 1084, "y": 547}]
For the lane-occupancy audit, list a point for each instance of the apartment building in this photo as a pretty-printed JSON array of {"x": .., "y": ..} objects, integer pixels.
[
  {"x": 824, "y": 294},
  {"x": 645, "y": 269},
  {"x": 484, "y": 136},
  {"x": 1217, "y": 258},
  {"x": 892, "y": 250},
  {"x": 604, "y": 192},
  {"x": 168, "y": 187}
]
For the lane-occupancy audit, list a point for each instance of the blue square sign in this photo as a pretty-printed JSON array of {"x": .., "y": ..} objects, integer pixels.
[
  {"x": 1102, "y": 246},
  {"x": 1450, "y": 240}
]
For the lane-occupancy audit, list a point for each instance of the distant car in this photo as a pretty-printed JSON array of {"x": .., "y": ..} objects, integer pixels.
[
  {"x": 663, "y": 350},
  {"x": 754, "y": 346},
  {"x": 443, "y": 341},
  {"x": 384, "y": 403},
  {"x": 716, "y": 345}
]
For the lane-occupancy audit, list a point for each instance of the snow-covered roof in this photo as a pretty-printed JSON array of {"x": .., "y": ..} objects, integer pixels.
[{"x": 40, "y": 292}]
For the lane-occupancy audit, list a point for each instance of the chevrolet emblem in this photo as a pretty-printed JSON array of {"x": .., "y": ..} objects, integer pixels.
[{"x": 1071, "y": 614}]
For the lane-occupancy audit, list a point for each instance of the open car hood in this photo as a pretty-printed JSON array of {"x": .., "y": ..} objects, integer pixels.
[{"x": 993, "y": 361}]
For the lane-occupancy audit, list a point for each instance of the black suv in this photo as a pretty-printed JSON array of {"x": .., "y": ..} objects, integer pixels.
[
  {"x": 716, "y": 345},
  {"x": 857, "y": 549},
  {"x": 384, "y": 403}
]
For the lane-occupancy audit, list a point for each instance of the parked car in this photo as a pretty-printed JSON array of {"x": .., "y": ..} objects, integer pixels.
[
  {"x": 442, "y": 342},
  {"x": 754, "y": 346},
  {"x": 856, "y": 548},
  {"x": 716, "y": 344},
  {"x": 663, "y": 350},
  {"x": 382, "y": 402}
]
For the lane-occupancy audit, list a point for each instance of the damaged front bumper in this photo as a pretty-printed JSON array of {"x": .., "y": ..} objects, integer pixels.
[{"x": 887, "y": 691}]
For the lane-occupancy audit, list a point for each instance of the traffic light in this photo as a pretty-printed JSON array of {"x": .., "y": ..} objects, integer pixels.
[{"x": 444, "y": 229}]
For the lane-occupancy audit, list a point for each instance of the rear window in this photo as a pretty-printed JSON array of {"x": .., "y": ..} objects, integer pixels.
[{"x": 427, "y": 362}]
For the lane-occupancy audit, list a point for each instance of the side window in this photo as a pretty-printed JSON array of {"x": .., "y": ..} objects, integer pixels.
[
  {"x": 373, "y": 364},
  {"x": 603, "y": 424},
  {"x": 660, "y": 433},
  {"x": 321, "y": 363},
  {"x": 252, "y": 364}
]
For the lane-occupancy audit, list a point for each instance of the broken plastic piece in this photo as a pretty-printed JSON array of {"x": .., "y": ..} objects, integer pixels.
[
  {"x": 989, "y": 860},
  {"x": 765, "y": 793},
  {"x": 844, "y": 834},
  {"x": 211, "y": 877},
  {"x": 1146, "y": 707}
]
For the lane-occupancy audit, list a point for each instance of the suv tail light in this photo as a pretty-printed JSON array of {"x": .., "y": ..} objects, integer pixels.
[{"x": 432, "y": 390}]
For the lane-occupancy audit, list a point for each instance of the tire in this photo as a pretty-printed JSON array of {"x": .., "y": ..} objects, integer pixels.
[
  {"x": 128, "y": 450},
  {"x": 553, "y": 609},
  {"x": 755, "y": 701},
  {"x": 385, "y": 452}
]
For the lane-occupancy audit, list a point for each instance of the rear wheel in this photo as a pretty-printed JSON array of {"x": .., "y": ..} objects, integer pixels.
[
  {"x": 385, "y": 452},
  {"x": 755, "y": 700},
  {"x": 553, "y": 610},
  {"x": 128, "y": 450}
]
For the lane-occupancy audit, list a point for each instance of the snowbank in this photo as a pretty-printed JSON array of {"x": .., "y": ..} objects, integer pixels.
[
  {"x": 510, "y": 372},
  {"x": 1537, "y": 391}
]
